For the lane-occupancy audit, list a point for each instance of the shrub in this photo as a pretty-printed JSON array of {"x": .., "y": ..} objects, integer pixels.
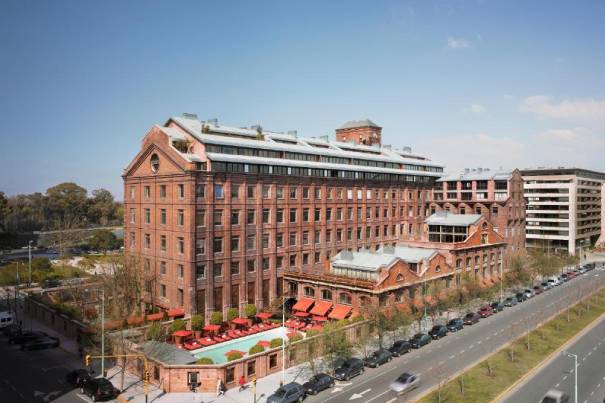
[
  {"x": 250, "y": 310},
  {"x": 235, "y": 355},
  {"x": 232, "y": 313},
  {"x": 155, "y": 331},
  {"x": 204, "y": 361},
  {"x": 197, "y": 322},
  {"x": 216, "y": 318},
  {"x": 312, "y": 332},
  {"x": 257, "y": 348},
  {"x": 177, "y": 324},
  {"x": 276, "y": 342},
  {"x": 296, "y": 337}
]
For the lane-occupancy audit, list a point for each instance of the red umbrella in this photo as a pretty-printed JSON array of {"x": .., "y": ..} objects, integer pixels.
[
  {"x": 212, "y": 328},
  {"x": 234, "y": 352},
  {"x": 301, "y": 314},
  {"x": 263, "y": 315},
  {"x": 241, "y": 321},
  {"x": 264, "y": 343}
]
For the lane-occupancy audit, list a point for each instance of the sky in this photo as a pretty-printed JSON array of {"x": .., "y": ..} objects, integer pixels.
[{"x": 491, "y": 84}]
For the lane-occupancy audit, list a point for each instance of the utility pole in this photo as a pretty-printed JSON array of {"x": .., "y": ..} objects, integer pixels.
[
  {"x": 501, "y": 275},
  {"x": 575, "y": 373},
  {"x": 29, "y": 248},
  {"x": 102, "y": 332},
  {"x": 283, "y": 324}
]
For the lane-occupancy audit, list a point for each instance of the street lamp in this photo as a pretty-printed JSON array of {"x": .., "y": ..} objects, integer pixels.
[
  {"x": 283, "y": 324},
  {"x": 575, "y": 373},
  {"x": 29, "y": 248},
  {"x": 501, "y": 275}
]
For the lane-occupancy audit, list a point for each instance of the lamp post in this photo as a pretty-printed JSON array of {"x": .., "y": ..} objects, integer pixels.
[
  {"x": 283, "y": 324},
  {"x": 29, "y": 248},
  {"x": 501, "y": 276},
  {"x": 102, "y": 332},
  {"x": 575, "y": 373}
]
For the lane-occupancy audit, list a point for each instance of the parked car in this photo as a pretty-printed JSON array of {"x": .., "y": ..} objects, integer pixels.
[
  {"x": 510, "y": 301},
  {"x": 521, "y": 297},
  {"x": 497, "y": 306},
  {"x": 564, "y": 277},
  {"x": 485, "y": 311},
  {"x": 400, "y": 347},
  {"x": 378, "y": 358},
  {"x": 405, "y": 382},
  {"x": 77, "y": 377},
  {"x": 538, "y": 289},
  {"x": 24, "y": 337},
  {"x": 41, "y": 343},
  {"x": 349, "y": 369},
  {"x": 438, "y": 331},
  {"x": 317, "y": 383},
  {"x": 11, "y": 330},
  {"x": 546, "y": 285},
  {"x": 471, "y": 318},
  {"x": 6, "y": 319},
  {"x": 555, "y": 396},
  {"x": 99, "y": 389},
  {"x": 529, "y": 293},
  {"x": 455, "y": 324},
  {"x": 419, "y": 340}
]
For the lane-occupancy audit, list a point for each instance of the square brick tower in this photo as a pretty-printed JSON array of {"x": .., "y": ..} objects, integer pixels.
[{"x": 364, "y": 132}]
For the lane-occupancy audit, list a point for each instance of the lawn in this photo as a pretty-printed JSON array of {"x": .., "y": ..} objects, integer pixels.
[{"x": 492, "y": 376}]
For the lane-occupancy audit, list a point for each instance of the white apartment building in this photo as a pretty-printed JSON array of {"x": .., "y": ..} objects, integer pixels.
[{"x": 564, "y": 208}]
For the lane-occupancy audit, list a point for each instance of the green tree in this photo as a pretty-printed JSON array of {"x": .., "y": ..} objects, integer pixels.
[
  {"x": 101, "y": 207},
  {"x": 336, "y": 345},
  {"x": 197, "y": 322},
  {"x": 3, "y": 209},
  {"x": 67, "y": 202},
  {"x": 177, "y": 324},
  {"x": 204, "y": 361},
  {"x": 104, "y": 240},
  {"x": 250, "y": 310},
  {"x": 255, "y": 349},
  {"x": 232, "y": 313},
  {"x": 155, "y": 332},
  {"x": 216, "y": 318}
]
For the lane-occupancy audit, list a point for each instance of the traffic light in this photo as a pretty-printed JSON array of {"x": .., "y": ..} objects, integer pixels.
[
  {"x": 146, "y": 376},
  {"x": 254, "y": 381},
  {"x": 87, "y": 360}
]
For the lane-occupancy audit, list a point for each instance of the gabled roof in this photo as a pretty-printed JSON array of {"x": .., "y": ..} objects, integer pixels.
[
  {"x": 408, "y": 254},
  {"x": 352, "y": 124},
  {"x": 363, "y": 260},
  {"x": 167, "y": 353},
  {"x": 446, "y": 218}
]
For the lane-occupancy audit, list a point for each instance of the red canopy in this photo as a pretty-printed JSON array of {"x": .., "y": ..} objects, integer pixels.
[
  {"x": 182, "y": 333},
  {"x": 303, "y": 305},
  {"x": 234, "y": 352},
  {"x": 176, "y": 312},
  {"x": 301, "y": 314},
  {"x": 321, "y": 308},
  {"x": 155, "y": 316},
  {"x": 135, "y": 320},
  {"x": 212, "y": 328},
  {"x": 241, "y": 321},
  {"x": 264, "y": 315},
  {"x": 339, "y": 312},
  {"x": 264, "y": 343},
  {"x": 318, "y": 318}
]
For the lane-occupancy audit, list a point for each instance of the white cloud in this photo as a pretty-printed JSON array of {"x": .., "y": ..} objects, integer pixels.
[
  {"x": 458, "y": 43},
  {"x": 508, "y": 96},
  {"x": 579, "y": 109},
  {"x": 477, "y": 108}
]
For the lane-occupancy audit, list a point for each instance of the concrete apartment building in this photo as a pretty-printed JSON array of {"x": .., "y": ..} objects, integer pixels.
[
  {"x": 216, "y": 215},
  {"x": 497, "y": 195},
  {"x": 564, "y": 208}
]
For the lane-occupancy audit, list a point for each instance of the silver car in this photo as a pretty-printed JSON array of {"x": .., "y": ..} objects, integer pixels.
[{"x": 405, "y": 382}]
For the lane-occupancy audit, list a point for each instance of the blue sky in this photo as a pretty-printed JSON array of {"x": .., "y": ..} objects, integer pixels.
[{"x": 469, "y": 83}]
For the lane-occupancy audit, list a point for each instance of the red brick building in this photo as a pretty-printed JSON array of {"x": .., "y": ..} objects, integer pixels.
[
  {"x": 497, "y": 195},
  {"x": 216, "y": 215},
  {"x": 452, "y": 244}
]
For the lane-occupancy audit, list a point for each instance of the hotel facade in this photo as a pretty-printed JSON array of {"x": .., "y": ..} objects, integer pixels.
[{"x": 217, "y": 216}]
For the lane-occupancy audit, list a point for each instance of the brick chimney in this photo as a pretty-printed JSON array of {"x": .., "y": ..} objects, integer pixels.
[{"x": 363, "y": 132}]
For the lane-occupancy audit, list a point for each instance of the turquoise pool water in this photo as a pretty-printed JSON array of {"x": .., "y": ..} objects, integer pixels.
[{"x": 217, "y": 352}]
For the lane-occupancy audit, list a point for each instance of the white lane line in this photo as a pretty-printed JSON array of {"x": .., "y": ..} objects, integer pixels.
[
  {"x": 392, "y": 400},
  {"x": 377, "y": 396}
]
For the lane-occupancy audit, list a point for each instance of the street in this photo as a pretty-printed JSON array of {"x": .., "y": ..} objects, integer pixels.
[
  {"x": 443, "y": 358},
  {"x": 558, "y": 374}
]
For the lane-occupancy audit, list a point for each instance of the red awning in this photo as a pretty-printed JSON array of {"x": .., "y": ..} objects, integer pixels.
[
  {"x": 176, "y": 312},
  {"x": 212, "y": 328},
  {"x": 234, "y": 352},
  {"x": 301, "y": 314},
  {"x": 339, "y": 312},
  {"x": 264, "y": 315},
  {"x": 182, "y": 333},
  {"x": 321, "y": 308},
  {"x": 318, "y": 318},
  {"x": 264, "y": 343},
  {"x": 135, "y": 320},
  {"x": 303, "y": 305},
  {"x": 241, "y": 321},
  {"x": 155, "y": 316}
]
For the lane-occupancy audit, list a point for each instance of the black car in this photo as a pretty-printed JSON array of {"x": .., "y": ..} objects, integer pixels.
[
  {"x": 26, "y": 336},
  {"x": 455, "y": 324},
  {"x": 497, "y": 306},
  {"x": 564, "y": 277},
  {"x": 350, "y": 368},
  {"x": 11, "y": 330},
  {"x": 41, "y": 343},
  {"x": 378, "y": 358},
  {"x": 77, "y": 377},
  {"x": 419, "y": 340},
  {"x": 510, "y": 301},
  {"x": 438, "y": 331},
  {"x": 99, "y": 389},
  {"x": 471, "y": 318},
  {"x": 521, "y": 296},
  {"x": 317, "y": 383},
  {"x": 400, "y": 347}
]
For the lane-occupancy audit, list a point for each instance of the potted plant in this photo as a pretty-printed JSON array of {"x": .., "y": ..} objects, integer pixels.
[{"x": 197, "y": 324}]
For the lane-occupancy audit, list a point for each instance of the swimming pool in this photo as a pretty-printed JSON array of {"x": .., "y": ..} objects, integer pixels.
[{"x": 217, "y": 352}]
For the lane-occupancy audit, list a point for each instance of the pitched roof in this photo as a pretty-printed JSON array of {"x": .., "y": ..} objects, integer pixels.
[
  {"x": 445, "y": 218},
  {"x": 351, "y": 124},
  {"x": 167, "y": 353},
  {"x": 407, "y": 253},
  {"x": 363, "y": 260},
  {"x": 475, "y": 175}
]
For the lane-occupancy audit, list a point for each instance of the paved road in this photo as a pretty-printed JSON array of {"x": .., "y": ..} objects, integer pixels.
[
  {"x": 558, "y": 374},
  {"x": 444, "y": 357}
]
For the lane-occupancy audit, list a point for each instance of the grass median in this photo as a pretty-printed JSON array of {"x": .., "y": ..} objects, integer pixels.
[{"x": 488, "y": 379}]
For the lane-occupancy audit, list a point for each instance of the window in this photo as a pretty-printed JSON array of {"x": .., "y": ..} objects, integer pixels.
[
  {"x": 163, "y": 290},
  {"x": 180, "y": 271},
  {"x": 305, "y": 259},
  {"x": 306, "y": 215},
  {"x": 132, "y": 192},
  {"x": 180, "y": 296},
  {"x": 305, "y": 192},
  {"x": 339, "y": 214},
  {"x": 495, "y": 210},
  {"x": 218, "y": 191},
  {"x": 265, "y": 241},
  {"x": 344, "y": 298},
  {"x": 266, "y": 191},
  {"x": 147, "y": 241},
  {"x": 200, "y": 190},
  {"x": 163, "y": 216},
  {"x": 309, "y": 291},
  {"x": 163, "y": 191},
  {"x": 250, "y": 242},
  {"x": 326, "y": 294},
  {"x": 200, "y": 246},
  {"x": 279, "y": 239},
  {"x": 292, "y": 239},
  {"x": 317, "y": 192},
  {"x": 180, "y": 217},
  {"x": 132, "y": 215},
  {"x": 234, "y": 217},
  {"x": 234, "y": 243},
  {"x": 163, "y": 243},
  {"x": 181, "y": 190},
  {"x": 218, "y": 217},
  {"x": 250, "y": 217},
  {"x": 273, "y": 361},
  {"x": 279, "y": 262},
  {"x": 328, "y": 214},
  {"x": 279, "y": 192},
  {"x": 251, "y": 265},
  {"x": 230, "y": 375},
  {"x": 292, "y": 192},
  {"x": 162, "y": 268},
  {"x": 217, "y": 269},
  {"x": 234, "y": 191},
  {"x": 180, "y": 245},
  {"x": 266, "y": 215},
  {"x": 317, "y": 217},
  {"x": 217, "y": 244},
  {"x": 437, "y": 269},
  {"x": 200, "y": 218},
  {"x": 235, "y": 267},
  {"x": 250, "y": 192},
  {"x": 147, "y": 192},
  {"x": 317, "y": 236},
  {"x": 292, "y": 215},
  {"x": 251, "y": 368},
  {"x": 317, "y": 257},
  {"x": 280, "y": 215}
]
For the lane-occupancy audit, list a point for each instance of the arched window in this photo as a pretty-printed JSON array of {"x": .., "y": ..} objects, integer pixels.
[
  {"x": 344, "y": 298},
  {"x": 484, "y": 226},
  {"x": 309, "y": 292},
  {"x": 459, "y": 264},
  {"x": 155, "y": 162},
  {"x": 399, "y": 277},
  {"x": 437, "y": 269},
  {"x": 326, "y": 294}
]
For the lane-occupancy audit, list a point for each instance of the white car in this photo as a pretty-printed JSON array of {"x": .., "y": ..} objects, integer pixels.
[{"x": 405, "y": 382}]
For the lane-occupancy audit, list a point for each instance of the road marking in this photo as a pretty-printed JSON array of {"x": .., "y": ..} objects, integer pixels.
[
  {"x": 392, "y": 400},
  {"x": 377, "y": 396},
  {"x": 360, "y": 394}
]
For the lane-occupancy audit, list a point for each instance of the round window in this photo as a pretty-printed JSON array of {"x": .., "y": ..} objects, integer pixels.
[{"x": 155, "y": 162}]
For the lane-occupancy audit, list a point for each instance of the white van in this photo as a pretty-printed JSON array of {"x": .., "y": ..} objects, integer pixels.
[{"x": 6, "y": 318}]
